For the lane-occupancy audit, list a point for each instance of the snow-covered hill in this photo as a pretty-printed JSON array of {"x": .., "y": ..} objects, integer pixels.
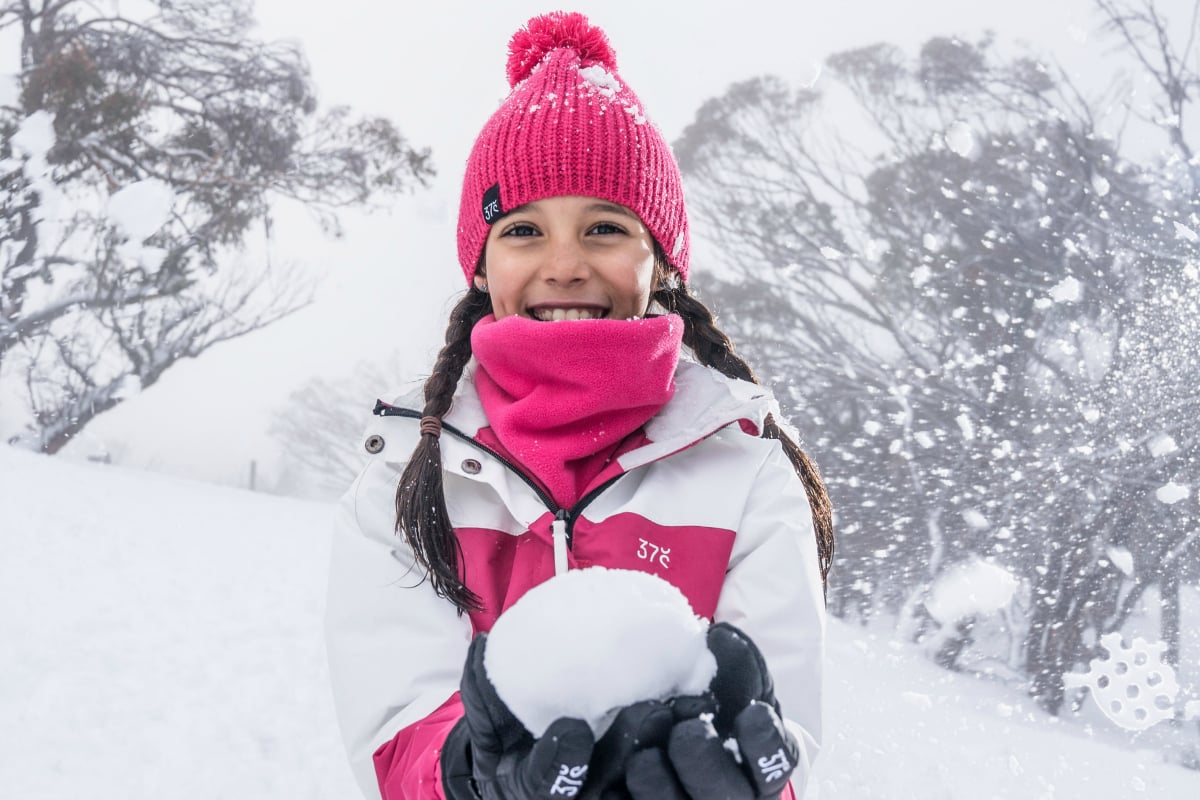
[{"x": 162, "y": 639}]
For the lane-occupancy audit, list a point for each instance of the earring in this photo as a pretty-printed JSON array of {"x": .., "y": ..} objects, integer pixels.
[{"x": 483, "y": 287}]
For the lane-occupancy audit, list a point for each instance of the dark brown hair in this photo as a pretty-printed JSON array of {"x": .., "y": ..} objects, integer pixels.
[{"x": 421, "y": 515}]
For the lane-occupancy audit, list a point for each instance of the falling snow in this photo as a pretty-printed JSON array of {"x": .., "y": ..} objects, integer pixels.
[
  {"x": 1172, "y": 493},
  {"x": 960, "y": 138}
]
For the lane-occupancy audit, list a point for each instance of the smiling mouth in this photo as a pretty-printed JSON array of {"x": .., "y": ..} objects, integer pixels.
[{"x": 559, "y": 314}]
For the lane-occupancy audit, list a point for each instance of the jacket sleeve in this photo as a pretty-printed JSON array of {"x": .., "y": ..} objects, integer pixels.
[
  {"x": 773, "y": 592},
  {"x": 395, "y": 648},
  {"x": 410, "y": 765}
]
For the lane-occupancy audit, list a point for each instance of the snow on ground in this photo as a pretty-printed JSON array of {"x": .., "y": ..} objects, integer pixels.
[{"x": 162, "y": 639}]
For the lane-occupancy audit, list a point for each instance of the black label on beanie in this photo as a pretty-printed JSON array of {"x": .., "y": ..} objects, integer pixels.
[{"x": 491, "y": 204}]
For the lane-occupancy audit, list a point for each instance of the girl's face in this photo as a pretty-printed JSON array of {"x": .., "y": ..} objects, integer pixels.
[{"x": 569, "y": 258}]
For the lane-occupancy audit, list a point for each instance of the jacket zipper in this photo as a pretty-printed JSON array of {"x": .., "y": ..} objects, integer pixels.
[{"x": 561, "y": 529}]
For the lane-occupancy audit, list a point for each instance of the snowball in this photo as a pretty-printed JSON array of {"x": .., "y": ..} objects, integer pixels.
[
  {"x": 931, "y": 242},
  {"x": 1068, "y": 290},
  {"x": 976, "y": 519},
  {"x": 970, "y": 588},
  {"x": 921, "y": 275},
  {"x": 966, "y": 426},
  {"x": 1100, "y": 185},
  {"x": 1186, "y": 233},
  {"x": 1122, "y": 558},
  {"x": 1162, "y": 445},
  {"x": 871, "y": 427},
  {"x": 1172, "y": 493},
  {"x": 141, "y": 208},
  {"x": 924, "y": 439},
  {"x": 625, "y": 635},
  {"x": 961, "y": 139}
]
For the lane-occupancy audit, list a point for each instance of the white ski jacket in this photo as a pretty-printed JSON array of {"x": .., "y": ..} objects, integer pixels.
[{"x": 717, "y": 512}]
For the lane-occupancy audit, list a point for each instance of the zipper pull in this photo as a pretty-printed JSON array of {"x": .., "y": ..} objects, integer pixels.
[{"x": 558, "y": 530}]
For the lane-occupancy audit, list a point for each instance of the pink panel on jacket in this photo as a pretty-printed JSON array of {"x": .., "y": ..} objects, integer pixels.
[
  {"x": 500, "y": 567},
  {"x": 409, "y": 766},
  {"x": 692, "y": 558}
]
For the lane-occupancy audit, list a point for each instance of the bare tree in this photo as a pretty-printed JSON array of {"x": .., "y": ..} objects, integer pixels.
[
  {"x": 1169, "y": 59},
  {"x": 319, "y": 428},
  {"x": 222, "y": 126}
]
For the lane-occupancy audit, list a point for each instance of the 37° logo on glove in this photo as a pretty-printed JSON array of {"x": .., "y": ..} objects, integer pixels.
[
  {"x": 774, "y": 767},
  {"x": 569, "y": 780}
]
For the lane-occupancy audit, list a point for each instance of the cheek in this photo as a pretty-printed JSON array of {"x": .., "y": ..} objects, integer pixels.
[
  {"x": 505, "y": 302},
  {"x": 644, "y": 280}
]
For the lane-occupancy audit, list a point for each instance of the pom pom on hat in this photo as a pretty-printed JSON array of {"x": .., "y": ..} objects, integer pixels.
[
  {"x": 569, "y": 126},
  {"x": 554, "y": 30}
]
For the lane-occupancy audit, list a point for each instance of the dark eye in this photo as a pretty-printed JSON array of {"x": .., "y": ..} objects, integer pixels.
[
  {"x": 520, "y": 229},
  {"x": 607, "y": 227}
]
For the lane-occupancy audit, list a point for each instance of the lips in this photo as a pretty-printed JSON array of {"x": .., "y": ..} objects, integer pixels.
[{"x": 558, "y": 314}]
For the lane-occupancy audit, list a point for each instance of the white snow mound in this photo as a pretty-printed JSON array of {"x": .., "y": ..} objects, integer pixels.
[{"x": 626, "y": 635}]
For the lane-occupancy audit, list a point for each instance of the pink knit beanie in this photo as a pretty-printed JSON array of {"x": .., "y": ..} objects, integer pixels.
[{"x": 570, "y": 126}]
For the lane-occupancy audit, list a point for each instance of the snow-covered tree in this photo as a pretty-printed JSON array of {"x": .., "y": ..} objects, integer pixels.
[
  {"x": 958, "y": 296},
  {"x": 319, "y": 427},
  {"x": 138, "y": 155}
]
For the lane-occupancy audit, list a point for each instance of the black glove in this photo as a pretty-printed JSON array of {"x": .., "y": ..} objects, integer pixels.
[
  {"x": 489, "y": 755},
  {"x": 696, "y": 764},
  {"x": 637, "y": 727}
]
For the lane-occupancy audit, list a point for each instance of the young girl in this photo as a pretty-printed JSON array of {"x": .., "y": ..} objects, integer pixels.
[{"x": 562, "y": 428}]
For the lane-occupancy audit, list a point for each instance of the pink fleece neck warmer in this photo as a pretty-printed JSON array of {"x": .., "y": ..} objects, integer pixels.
[{"x": 557, "y": 393}]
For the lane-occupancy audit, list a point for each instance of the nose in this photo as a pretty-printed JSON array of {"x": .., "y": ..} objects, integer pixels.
[{"x": 567, "y": 263}]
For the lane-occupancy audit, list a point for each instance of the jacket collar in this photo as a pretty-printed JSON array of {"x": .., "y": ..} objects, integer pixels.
[{"x": 704, "y": 402}]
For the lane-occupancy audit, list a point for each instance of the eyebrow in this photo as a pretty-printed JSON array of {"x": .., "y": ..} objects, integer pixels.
[
  {"x": 599, "y": 205},
  {"x": 612, "y": 208}
]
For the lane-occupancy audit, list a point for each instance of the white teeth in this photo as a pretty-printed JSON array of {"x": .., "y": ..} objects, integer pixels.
[{"x": 559, "y": 314}]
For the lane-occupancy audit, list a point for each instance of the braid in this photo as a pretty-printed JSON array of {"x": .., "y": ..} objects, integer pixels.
[
  {"x": 421, "y": 514},
  {"x": 713, "y": 348}
]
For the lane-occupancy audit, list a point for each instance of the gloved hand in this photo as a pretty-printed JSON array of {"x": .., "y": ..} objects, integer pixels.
[
  {"x": 696, "y": 765},
  {"x": 637, "y": 727},
  {"x": 489, "y": 755}
]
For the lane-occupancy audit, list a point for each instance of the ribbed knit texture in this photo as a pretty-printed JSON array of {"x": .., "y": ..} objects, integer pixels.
[{"x": 571, "y": 126}]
